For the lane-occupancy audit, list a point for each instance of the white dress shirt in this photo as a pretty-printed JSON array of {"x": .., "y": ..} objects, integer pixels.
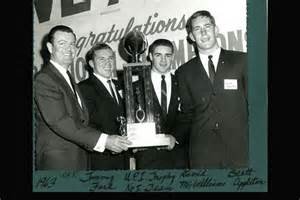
[
  {"x": 215, "y": 59},
  {"x": 156, "y": 81}
]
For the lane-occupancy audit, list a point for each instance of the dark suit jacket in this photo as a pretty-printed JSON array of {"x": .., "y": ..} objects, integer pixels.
[
  {"x": 103, "y": 112},
  {"x": 62, "y": 132},
  {"x": 218, "y": 117},
  {"x": 152, "y": 158}
]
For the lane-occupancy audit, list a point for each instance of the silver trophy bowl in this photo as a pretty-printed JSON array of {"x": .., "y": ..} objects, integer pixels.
[{"x": 135, "y": 43}]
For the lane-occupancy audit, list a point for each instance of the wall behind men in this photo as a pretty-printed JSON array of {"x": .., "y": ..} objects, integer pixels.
[{"x": 109, "y": 20}]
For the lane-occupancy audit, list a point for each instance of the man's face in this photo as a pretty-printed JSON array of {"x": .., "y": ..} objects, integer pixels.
[
  {"x": 103, "y": 62},
  {"x": 204, "y": 33},
  {"x": 63, "y": 48},
  {"x": 162, "y": 58}
]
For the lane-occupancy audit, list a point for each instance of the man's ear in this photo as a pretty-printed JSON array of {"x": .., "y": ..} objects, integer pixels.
[
  {"x": 49, "y": 47},
  {"x": 91, "y": 63},
  {"x": 216, "y": 30},
  {"x": 150, "y": 57},
  {"x": 191, "y": 36},
  {"x": 173, "y": 56}
]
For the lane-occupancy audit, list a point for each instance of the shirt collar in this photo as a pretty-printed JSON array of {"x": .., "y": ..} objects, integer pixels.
[
  {"x": 158, "y": 75},
  {"x": 60, "y": 68},
  {"x": 215, "y": 56},
  {"x": 215, "y": 53},
  {"x": 101, "y": 78}
]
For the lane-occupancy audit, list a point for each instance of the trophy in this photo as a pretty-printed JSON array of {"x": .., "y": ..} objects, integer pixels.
[{"x": 140, "y": 120}]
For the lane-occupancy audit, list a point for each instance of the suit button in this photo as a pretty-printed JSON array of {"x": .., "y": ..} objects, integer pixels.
[
  {"x": 203, "y": 99},
  {"x": 82, "y": 121}
]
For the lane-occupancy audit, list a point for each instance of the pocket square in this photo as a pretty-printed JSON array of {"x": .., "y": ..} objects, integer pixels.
[{"x": 120, "y": 93}]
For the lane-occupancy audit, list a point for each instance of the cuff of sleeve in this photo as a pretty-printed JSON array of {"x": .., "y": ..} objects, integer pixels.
[{"x": 100, "y": 146}]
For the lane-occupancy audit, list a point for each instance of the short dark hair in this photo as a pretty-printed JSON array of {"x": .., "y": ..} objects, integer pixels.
[
  {"x": 202, "y": 13},
  {"x": 62, "y": 28},
  {"x": 91, "y": 53},
  {"x": 161, "y": 42}
]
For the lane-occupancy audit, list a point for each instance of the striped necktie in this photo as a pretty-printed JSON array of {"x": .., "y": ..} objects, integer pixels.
[
  {"x": 112, "y": 91},
  {"x": 163, "y": 95},
  {"x": 211, "y": 69}
]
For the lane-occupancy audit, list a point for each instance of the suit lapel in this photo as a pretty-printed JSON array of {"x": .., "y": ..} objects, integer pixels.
[
  {"x": 173, "y": 98},
  {"x": 101, "y": 89},
  {"x": 221, "y": 64},
  {"x": 62, "y": 81},
  {"x": 155, "y": 100},
  {"x": 199, "y": 74},
  {"x": 116, "y": 83},
  {"x": 84, "y": 108},
  {"x": 202, "y": 72}
]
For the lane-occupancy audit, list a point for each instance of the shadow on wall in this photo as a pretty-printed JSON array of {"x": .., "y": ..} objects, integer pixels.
[{"x": 44, "y": 53}]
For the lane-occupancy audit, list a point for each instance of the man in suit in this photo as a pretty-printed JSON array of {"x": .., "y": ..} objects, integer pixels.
[
  {"x": 213, "y": 91},
  {"x": 165, "y": 103},
  {"x": 102, "y": 96},
  {"x": 63, "y": 136}
]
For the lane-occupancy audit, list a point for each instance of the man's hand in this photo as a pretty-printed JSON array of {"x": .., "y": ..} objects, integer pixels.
[
  {"x": 117, "y": 143},
  {"x": 171, "y": 145},
  {"x": 172, "y": 142}
]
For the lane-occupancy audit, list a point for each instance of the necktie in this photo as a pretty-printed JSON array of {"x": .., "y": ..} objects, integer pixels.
[
  {"x": 211, "y": 69},
  {"x": 112, "y": 91},
  {"x": 72, "y": 83},
  {"x": 163, "y": 95}
]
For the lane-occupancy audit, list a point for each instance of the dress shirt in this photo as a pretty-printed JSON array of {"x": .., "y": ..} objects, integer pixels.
[
  {"x": 156, "y": 81},
  {"x": 215, "y": 59},
  {"x": 105, "y": 83}
]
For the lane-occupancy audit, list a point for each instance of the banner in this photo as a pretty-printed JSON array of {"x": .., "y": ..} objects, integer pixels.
[
  {"x": 243, "y": 27},
  {"x": 109, "y": 20}
]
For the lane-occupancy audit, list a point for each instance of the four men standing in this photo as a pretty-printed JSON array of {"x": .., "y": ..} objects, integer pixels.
[{"x": 203, "y": 109}]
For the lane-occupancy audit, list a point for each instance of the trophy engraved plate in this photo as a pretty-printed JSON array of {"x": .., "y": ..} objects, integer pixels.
[
  {"x": 141, "y": 124},
  {"x": 143, "y": 135}
]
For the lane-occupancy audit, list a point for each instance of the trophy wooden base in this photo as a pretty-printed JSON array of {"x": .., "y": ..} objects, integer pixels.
[{"x": 144, "y": 135}]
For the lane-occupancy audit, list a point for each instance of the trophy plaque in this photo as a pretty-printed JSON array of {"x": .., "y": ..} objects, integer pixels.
[{"x": 141, "y": 124}]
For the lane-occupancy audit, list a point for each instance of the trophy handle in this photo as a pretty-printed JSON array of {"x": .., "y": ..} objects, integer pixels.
[
  {"x": 145, "y": 42},
  {"x": 129, "y": 53},
  {"x": 140, "y": 114}
]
